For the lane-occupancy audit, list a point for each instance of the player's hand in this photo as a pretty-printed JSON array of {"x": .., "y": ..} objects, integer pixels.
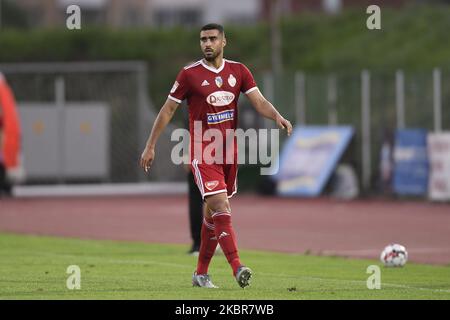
[
  {"x": 147, "y": 158},
  {"x": 282, "y": 123}
]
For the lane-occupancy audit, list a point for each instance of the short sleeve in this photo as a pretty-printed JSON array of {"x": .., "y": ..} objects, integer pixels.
[
  {"x": 180, "y": 87},
  {"x": 248, "y": 82}
]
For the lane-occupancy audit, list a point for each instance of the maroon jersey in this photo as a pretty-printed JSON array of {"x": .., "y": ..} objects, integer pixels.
[{"x": 212, "y": 96}]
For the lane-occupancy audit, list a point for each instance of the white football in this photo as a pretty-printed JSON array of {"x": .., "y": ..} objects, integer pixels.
[{"x": 394, "y": 255}]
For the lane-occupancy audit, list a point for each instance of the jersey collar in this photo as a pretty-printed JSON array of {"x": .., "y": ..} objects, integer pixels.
[{"x": 213, "y": 69}]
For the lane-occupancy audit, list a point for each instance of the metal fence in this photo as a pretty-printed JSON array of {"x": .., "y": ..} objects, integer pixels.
[
  {"x": 374, "y": 103},
  {"x": 123, "y": 87}
]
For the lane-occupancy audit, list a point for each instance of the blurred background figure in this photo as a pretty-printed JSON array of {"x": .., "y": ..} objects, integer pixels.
[
  {"x": 11, "y": 170},
  {"x": 195, "y": 212},
  {"x": 386, "y": 165}
]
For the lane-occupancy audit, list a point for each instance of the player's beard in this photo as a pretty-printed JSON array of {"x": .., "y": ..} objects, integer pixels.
[{"x": 212, "y": 57}]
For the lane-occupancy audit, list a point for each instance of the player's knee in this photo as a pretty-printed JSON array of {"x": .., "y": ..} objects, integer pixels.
[
  {"x": 207, "y": 212},
  {"x": 219, "y": 205},
  {"x": 220, "y": 208}
]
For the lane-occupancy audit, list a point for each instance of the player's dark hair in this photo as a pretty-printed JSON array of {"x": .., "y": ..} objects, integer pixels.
[{"x": 213, "y": 26}]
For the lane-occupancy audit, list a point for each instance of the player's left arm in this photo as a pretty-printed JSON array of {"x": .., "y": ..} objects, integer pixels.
[{"x": 266, "y": 109}]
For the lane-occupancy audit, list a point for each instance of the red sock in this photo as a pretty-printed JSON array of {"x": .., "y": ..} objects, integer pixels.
[
  {"x": 208, "y": 246},
  {"x": 227, "y": 239}
]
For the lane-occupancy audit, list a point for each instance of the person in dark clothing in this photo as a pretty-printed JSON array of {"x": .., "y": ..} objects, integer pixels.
[
  {"x": 5, "y": 185},
  {"x": 195, "y": 213}
]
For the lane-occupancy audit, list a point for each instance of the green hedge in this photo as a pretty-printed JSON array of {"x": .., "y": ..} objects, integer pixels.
[{"x": 412, "y": 38}]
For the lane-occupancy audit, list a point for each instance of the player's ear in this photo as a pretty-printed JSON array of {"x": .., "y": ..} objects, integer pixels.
[{"x": 224, "y": 41}]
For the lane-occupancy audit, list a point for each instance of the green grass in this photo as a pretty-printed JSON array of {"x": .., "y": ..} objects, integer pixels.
[{"x": 35, "y": 268}]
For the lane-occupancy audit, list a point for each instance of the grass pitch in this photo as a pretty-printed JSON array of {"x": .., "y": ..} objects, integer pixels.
[{"x": 34, "y": 267}]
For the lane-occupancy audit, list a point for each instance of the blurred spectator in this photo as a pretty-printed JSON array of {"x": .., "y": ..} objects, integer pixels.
[
  {"x": 11, "y": 170},
  {"x": 386, "y": 166}
]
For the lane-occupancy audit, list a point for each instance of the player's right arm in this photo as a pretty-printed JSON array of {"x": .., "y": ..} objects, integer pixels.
[
  {"x": 177, "y": 94},
  {"x": 164, "y": 116}
]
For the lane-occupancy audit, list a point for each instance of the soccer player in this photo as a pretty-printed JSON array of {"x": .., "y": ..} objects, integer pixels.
[{"x": 212, "y": 86}]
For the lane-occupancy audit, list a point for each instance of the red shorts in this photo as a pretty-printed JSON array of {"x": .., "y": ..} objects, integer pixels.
[{"x": 215, "y": 178}]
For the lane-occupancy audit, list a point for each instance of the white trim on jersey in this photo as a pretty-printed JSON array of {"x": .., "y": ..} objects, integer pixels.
[
  {"x": 192, "y": 65},
  {"x": 251, "y": 90},
  {"x": 174, "y": 99},
  {"x": 214, "y": 69},
  {"x": 231, "y": 61}
]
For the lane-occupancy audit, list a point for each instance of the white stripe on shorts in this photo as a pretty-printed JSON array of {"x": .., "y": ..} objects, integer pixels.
[{"x": 199, "y": 177}]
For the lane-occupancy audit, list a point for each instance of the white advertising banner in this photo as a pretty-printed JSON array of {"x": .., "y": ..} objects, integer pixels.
[{"x": 439, "y": 157}]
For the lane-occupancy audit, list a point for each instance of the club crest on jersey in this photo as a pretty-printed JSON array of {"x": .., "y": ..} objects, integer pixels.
[
  {"x": 231, "y": 80},
  {"x": 219, "y": 81},
  {"x": 175, "y": 86},
  {"x": 210, "y": 185}
]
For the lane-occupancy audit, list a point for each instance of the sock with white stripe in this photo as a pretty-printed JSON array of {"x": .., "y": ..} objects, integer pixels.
[
  {"x": 208, "y": 246},
  {"x": 227, "y": 239}
]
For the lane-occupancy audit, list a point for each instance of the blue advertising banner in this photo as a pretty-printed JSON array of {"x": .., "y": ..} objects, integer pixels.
[
  {"x": 411, "y": 167},
  {"x": 309, "y": 158}
]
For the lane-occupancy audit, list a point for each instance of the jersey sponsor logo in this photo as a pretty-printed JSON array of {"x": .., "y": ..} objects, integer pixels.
[
  {"x": 231, "y": 80},
  {"x": 215, "y": 118},
  {"x": 219, "y": 81},
  {"x": 220, "y": 98},
  {"x": 210, "y": 185},
  {"x": 175, "y": 86},
  {"x": 205, "y": 83}
]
